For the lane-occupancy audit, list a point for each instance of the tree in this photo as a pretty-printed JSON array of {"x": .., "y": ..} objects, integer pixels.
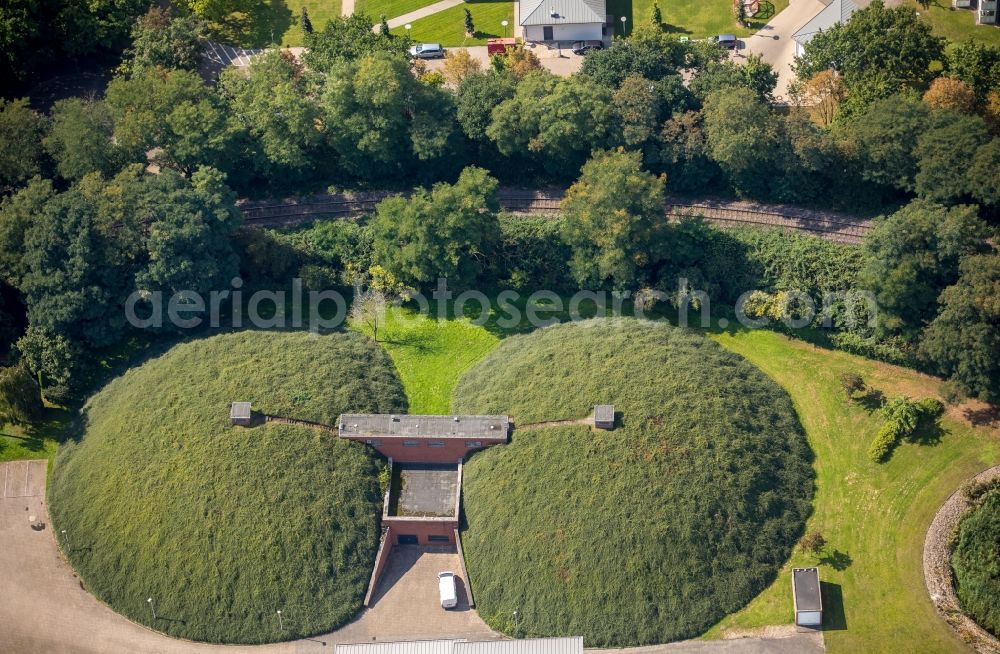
[
  {"x": 648, "y": 52},
  {"x": 823, "y": 93},
  {"x": 912, "y": 255},
  {"x": 852, "y": 383},
  {"x": 443, "y": 233},
  {"x": 519, "y": 62},
  {"x": 21, "y": 132},
  {"x": 892, "y": 44},
  {"x": 275, "y": 101},
  {"x": 983, "y": 182},
  {"x": 742, "y": 138},
  {"x": 347, "y": 38},
  {"x": 755, "y": 74},
  {"x": 383, "y": 26},
  {"x": 813, "y": 542},
  {"x": 991, "y": 112},
  {"x": 656, "y": 16},
  {"x": 684, "y": 153},
  {"x": 175, "y": 115},
  {"x": 951, "y": 94},
  {"x": 20, "y": 401},
  {"x": 948, "y": 147},
  {"x": 963, "y": 340},
  {"x": 558, "y": 120},
  {"x": 54, "y": 362},
  {"x": 459, "y": 64},
  {"x": 160, "y": 39},
  {"x": 470, "y": 27},
  {"x": 637, "y": 104},
  {"x": 17, "y": 214},
  {"x": 613, "y": 221},
  {"x": 81, "y": 139},
  {"x": 374, "y": 291},
  {"x": 881, "y": 140},
  {"x": 975, "y": 63},
  {"x": 476, "y": 97},
  {"x": 387, "y": 122},
  {"x": 305, "y": 23}
]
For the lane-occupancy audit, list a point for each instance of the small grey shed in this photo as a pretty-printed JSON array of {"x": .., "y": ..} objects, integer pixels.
[
  {"x": 240, "y": 414},
  {"x": 807, "y": 598},
  {"x": 604, "y": 416}
]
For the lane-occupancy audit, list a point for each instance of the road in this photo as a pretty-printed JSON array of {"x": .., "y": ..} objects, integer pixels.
[{"x": 774, "y": 43}]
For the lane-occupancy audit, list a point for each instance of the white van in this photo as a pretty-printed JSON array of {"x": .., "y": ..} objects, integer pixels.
[{"x": 447, "y": 590}]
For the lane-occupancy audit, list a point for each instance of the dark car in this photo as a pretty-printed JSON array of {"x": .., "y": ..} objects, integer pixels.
[
  {"x": 727, "y": 41},
  {"x": 582, "y": 46}
]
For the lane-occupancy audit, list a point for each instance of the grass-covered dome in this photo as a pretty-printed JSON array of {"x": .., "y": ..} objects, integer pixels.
[
  {"x": 976, "y": 561},
  {"x": 223, "y": 526},
  {"x": 645, "y": 534}
]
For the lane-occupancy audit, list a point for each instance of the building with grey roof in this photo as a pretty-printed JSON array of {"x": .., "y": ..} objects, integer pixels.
[
  {"x": 568, "y": 645},
  {"x": 562, "y": 20},
  {"x": 838, "y": 11}
]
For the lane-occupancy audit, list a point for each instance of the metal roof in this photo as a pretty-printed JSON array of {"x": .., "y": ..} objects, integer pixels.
[
  {"x": 562, "y": 12},
  {"x": 387, "y": 425},
  {"x": 404, "y": 647},
  {"x": 239, "y": 410},
  {"x": 805, "y": 587},
  {"x": 838, "y": 11},
  {"x": 572, "y": 645}
]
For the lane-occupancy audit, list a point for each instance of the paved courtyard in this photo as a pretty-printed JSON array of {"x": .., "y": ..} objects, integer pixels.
[{"x": 427, "y": 490}]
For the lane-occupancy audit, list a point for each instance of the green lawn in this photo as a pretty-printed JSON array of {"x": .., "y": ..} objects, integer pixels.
[
  {"x": 958, "y": 25},
  {"x": 448, "y": 27},
  {"x": 320, "y": 11},
  {"x": 36, "y": 441},
  {"x": 391, "y": 8},
  {"x": 646, "y": 534},
  {"x": 874, "y": 517},
  {"x": 431, "y": 355},
  {"x": 222, "y": 525},
  {"x": 694, "y": 19}
]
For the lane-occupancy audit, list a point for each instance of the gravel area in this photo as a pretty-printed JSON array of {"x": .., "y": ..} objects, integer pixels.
[{"x": 938, "y": 575}]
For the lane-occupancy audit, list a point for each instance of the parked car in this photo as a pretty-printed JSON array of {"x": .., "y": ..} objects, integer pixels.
[
  {"x": 727, "y": 41},
  {"x": 427, "y": 51},
  {"x": 582, "y": 46},
  {"x": 447, "y": 589}
]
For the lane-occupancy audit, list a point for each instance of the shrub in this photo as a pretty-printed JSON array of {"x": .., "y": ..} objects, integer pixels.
[
  {"x": 813, "y": 542},
  {"x": 902, "y": 416},
  {"x": 852, "y": 383},
  {"x": 20, "y": 401},
  {"x": 976, "y": 562},
  {"x": 885, "y": 440}
]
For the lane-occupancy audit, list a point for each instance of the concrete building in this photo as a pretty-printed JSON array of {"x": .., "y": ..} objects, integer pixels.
[
  {"x": 807, "y": 598},
  {"x": 838, "y": 11},
  {"x": 564, "y": 645},
  {"x": 425, "y": 439},
  {"x": 240, "y": 413},
  {"x": 562, "y": 20},
  {"x": 604, "y": 416}
]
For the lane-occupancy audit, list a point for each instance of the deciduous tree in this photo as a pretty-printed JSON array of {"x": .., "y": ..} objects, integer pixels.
[
  {"x": 20, "y": 401},
  {"x": 951, "y": 94},
  {"x": 81, "y": 139},
  {"x": 441, "y": 233},
  {"x": 21, "y": 132},
  {"x": 614, "y": 222}
]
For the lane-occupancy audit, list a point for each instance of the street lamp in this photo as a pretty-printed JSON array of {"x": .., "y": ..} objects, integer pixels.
[
  {"x": 407, "y": 27},
  {"x": 281, "y": 626},
  {"x": 505, "y": 24},
  {"x": 152, "y": 608},
  {"x": 623, "y": 24}
]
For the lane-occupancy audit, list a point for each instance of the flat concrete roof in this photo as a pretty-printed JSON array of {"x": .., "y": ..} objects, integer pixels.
[
  {"x": 427, "y": 490},
  {"x": 385, "y": 425},
  {"x": 805, "y": 585},
  {"x": 604, "y": 413},
  {"x": 240, "y": 410}
]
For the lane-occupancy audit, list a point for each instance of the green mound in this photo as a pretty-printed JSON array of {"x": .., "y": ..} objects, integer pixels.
[
  {"x": 645, "y": 534},
  {"x": 223, "y": 526},
  {"x": 976, "y": 562}
]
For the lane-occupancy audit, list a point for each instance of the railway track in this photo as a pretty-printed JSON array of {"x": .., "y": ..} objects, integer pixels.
[{"x": 834, "y": 227}]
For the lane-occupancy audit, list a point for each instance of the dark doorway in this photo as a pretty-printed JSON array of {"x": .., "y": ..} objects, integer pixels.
[
  {"x": 407, "y": 539},
  {"x": 547, "y": 33}
]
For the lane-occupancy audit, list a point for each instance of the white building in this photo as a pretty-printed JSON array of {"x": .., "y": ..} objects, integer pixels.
[
  {"x": 570, "y": 645},
  {"x": 562, "y": 20},
  {"x": 838, "y": 11},
  {"x": 986, "y": 12}
]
